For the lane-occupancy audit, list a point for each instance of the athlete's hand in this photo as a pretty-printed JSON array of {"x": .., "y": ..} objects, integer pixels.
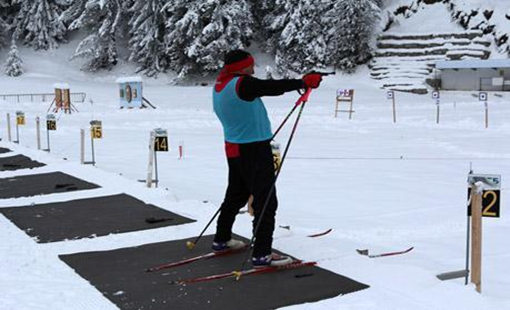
[{"x": 312, "y": 80}]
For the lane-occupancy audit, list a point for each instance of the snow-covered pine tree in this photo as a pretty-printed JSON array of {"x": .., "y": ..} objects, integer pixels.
[
  {"x": 37, "y": 23},
  {"x": 354, "y": 29},
  {"x": 299, "y": 35},
  {"x": 147, "y": 30},
  {"x": 264, "y": 11},
  {"x": 13, "y": 65},
  {"x": 7, "y": 11},
  {"x": 102, "y": 19},
  {"x": 199, "y": 33}
]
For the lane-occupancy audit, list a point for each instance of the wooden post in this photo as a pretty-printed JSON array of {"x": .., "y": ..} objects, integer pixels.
[
  {"x": 151, "y": 159},
  {"x": 486, "y": 114},
  {"x": 394, "y": 110},
  {"x": 9, "y": 127},
  {"x": 181, "y": 150},
  {"x": 476, "y": 240},
  {"x": 82, "y": 146},
  {"x": 38, "y": 132}
]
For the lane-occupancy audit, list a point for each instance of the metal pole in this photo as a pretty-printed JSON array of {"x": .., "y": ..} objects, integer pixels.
[
  {"x": 467, "y": 248},
  {"x": 156, "y": 179},
  {"x": 394, "y": 110},
  {"x": 9, "y": 127},
  {"x": 92, "y": 149},
  {"x": 82, "y": 146},
  {"x": 48, "y": 139},
  {"x": 38, "y": 132},
  {"x": 486, "y": 114},
  {"x": 437, "y": 116},
  {"x": 17, "y": 131}
]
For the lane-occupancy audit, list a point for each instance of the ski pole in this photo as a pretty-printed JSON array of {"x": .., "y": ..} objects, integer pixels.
[
  {"x": 191, "y": 244},
  {"x": 301, "y": 101},
  {"x": 284, "y": 121}
]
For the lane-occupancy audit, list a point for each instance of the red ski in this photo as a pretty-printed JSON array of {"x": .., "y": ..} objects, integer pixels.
[
  {"x": 366, "y": 253},
  {"x": 195, "y": 258},
  {"x": 253, "y": 271}
]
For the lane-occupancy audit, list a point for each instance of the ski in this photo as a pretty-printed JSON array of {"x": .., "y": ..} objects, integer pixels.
[
  {"x": 321, "y": 233},
  {"x": 196, "y": 258},
  {"x": 238, "y": 274},
  {"x": 366, "y": 253},
  {"x": 315, "y": 235}
]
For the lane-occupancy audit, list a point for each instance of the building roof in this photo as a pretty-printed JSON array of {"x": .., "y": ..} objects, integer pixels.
[{"x": 473, "y": 64}]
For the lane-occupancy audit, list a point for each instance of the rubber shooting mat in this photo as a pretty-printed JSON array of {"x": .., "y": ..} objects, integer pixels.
[
  {"x": 4, "y": 150},
  {"x": 90, "y": 217},
  {"x": 39, "y": 184},
  {"x": 18, "y": 162},
  {"x": 120, "y": 276}
]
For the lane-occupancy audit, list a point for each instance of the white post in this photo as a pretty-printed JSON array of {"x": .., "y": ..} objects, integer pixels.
[
  {"x": 151, "y": 159},
  {"x": 9, "y": 127},
  {"x": 38, "y": 132},
  {"x": 82, "y": 146}
]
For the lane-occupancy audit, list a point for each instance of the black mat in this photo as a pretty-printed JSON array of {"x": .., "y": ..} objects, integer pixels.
[
  {"x": 4, "y": 150},
  {"x": 119, "y": 275},
  {"x": 89, "y": 217},
  {"x": 18, "y": 162},
  {"x": 38, "y": 184}
]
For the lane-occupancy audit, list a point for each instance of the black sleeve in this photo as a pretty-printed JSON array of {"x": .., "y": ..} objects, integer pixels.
[{"x": 251, "y": 87}]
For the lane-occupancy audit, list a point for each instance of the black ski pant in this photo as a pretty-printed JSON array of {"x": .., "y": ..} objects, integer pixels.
[{"x": 250, "y": 172}]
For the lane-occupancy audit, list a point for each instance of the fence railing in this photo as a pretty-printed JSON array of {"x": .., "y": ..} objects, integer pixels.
[{"x": 75, "y": 97}]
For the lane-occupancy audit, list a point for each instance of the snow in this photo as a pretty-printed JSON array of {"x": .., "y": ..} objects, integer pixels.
[
  {"x": 61, "y": 85},
  {"x": 379, "y": 185},
  {"x": 473, "y": 63},
  {"x": 128, "y": 79},
  {"x": 421, "y": 22}
]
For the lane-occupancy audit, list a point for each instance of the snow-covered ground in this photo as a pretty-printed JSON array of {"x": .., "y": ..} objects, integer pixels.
[{"x": 379, "y": 185}]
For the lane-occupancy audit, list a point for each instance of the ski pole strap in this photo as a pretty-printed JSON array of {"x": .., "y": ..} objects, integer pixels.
[{"x": 304, "y": 97}]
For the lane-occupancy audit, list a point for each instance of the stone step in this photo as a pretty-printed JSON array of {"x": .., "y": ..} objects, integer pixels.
[
  {"x": 417, "y": 36},
  {"x": 424, "y": 44}
]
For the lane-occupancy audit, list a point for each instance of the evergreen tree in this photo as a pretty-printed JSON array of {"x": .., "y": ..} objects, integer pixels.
[
  {"x": 37, "y": 23},
  {"x": 299, "y": 35},
  {"x": 13, "y": 65},
  {"x": 199, "y": 33},
  {"x": 147, "y": 30},
  {"x": 264, "y": 11},
  {"x": 355, "y": 22},
  {"x": 102, "y": 19},
  {"x": 7, "y": 11}
]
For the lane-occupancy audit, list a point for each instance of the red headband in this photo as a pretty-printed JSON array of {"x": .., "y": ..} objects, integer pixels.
[{"x": 239, "y": 65}]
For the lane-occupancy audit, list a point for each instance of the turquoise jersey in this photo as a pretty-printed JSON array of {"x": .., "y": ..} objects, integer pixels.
[{"x": 243, "y": 121}]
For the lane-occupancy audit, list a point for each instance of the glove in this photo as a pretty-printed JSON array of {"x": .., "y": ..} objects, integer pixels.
[{"x": 312, "y": 80}]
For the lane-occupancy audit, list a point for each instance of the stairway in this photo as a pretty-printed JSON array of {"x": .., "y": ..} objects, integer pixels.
[{"x": 404, "y": 62}]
